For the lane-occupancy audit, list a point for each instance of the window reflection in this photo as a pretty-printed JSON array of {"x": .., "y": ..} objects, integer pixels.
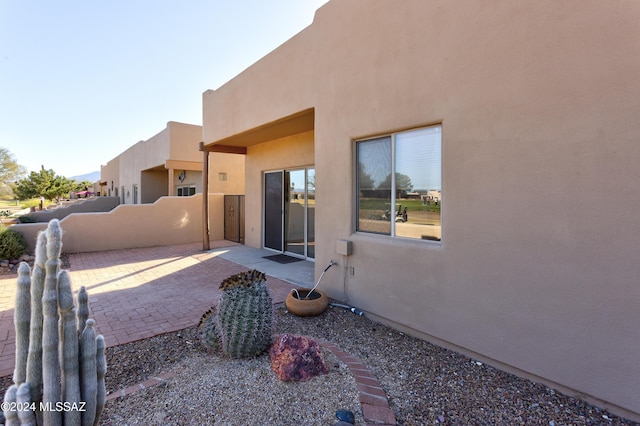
[{"x": 402, "y": 197}]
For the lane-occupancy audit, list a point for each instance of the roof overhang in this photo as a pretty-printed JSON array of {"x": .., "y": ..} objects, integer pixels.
[{"x": 294, "y": 124}]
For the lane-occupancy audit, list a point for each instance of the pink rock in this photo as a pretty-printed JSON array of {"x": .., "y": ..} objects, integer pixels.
[{"x": 296, "y": 358}]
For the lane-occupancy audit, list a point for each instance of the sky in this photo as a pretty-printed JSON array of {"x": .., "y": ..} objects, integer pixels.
[{"x": 82, "y": 81}]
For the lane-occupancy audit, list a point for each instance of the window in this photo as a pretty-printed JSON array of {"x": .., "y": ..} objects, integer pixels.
[
  {"x": 185, "y": 191},
  {"x": 134, "y": 191},
  {"x": 399, "y": 184}
]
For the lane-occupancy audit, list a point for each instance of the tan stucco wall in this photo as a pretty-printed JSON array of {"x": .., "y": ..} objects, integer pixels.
[
  {"x": 233, "y": 165},
  {"x": 191, "y": 178},
  {"x": 155, "y": 183},
  {"x": 176, "y": 144},
  {"x": 184, "y": 140},
  {"x": 110, "y": 173},
  {"x": 538, "y": 102},
  {"x": 93, "y": 204},
  {"x": 168, "y": 221}
]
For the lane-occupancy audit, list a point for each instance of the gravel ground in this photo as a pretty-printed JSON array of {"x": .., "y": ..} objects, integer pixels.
[{"x": 425, "y": 384}]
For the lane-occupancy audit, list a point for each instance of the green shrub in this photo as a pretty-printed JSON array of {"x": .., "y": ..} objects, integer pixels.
[
  {"x": 26, "y": 219},
  {"x": 12, "y": 244}
]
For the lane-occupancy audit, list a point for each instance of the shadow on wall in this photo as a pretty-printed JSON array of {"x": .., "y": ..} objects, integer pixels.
[
  {"x": 92, "y": 205},
  {"x": 168, "y": 221}
]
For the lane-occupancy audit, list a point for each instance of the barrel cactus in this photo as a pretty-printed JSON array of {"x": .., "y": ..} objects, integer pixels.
[
  {"x": 60, "y": 363},
  {"x": 241, "y": 325},
  {"x": 208, "y": 330}
]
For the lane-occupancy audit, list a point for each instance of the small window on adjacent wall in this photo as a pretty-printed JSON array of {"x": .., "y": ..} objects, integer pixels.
[
  {"x": 399, "y": 184},
  {"x": 185, "y": 191}
]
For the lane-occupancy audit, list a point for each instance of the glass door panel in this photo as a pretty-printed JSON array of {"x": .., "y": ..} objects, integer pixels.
[
  {"x": 294, "y": 211},
  {"x": 273, "y": 210},
  {"x": 311, "y": 213}
]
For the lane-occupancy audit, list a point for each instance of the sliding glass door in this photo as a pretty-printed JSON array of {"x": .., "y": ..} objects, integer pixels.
[{"x": 289, "y": 211}]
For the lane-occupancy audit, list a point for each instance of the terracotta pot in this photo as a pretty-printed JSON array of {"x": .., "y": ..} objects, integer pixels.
[{"x": 315, "y": 304}]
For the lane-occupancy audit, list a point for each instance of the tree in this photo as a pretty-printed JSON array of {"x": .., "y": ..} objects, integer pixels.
[
  {"x": 10, "y": 171},
  {"x": 365, "y": 181},
  {"x": 403, "y": 183},
  {"x": 85, "y": 185},
  {"x": 44, "y": 183}
]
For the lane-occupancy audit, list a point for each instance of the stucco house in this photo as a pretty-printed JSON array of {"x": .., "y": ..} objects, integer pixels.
[
  {"x": 517, "y": 114},
  {"x": 168, "y": 164}
]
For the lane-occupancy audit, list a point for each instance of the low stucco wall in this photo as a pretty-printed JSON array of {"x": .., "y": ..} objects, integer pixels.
[
  {"x": 98, "y": 204},
  {"x": 168, "y": 221}
]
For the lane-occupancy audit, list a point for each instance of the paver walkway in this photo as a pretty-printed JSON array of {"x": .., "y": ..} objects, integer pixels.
[{"x": 139, "y": 293}]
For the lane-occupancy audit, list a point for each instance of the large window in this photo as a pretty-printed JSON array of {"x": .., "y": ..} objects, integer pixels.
[{"x": 399, "y": 184}]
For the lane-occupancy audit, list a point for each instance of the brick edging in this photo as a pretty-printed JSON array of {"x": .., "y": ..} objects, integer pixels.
[
  {"x": 153, "y": 381},
  {"x": 373, "y": 399}
]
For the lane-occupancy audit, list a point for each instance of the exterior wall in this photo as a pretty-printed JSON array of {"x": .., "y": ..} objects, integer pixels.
[
  {"x": 184, "y": 141},
  {"x": 155, "y": 183},
  {"x": 90, "y": 205},
  {"x": 143, "y": 155},
  {"x": 191, "y": 178},
  {"x": 144, "y": 164},
  {"x": 289, "y": 152},
  {"x": 110, "y": 173},
  {"x": 233, "y": 166},
  {"x": 170, "y": 220},
  {"x": 538, "y": 102}
]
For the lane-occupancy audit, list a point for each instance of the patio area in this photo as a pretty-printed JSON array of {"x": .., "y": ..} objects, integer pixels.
[{"x": 143, "y": 292}]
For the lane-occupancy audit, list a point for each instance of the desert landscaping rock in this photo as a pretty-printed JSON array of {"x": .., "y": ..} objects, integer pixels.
[{"x": 425, "y": 384}]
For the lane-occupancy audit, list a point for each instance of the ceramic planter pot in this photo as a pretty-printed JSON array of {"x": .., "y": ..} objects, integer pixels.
[{"x": 315, "y": 304}]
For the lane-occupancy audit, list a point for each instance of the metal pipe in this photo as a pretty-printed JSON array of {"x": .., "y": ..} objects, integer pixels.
[{"x": 350, "y": 308}]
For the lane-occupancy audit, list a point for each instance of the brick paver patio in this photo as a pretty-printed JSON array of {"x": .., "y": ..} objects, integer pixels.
[{"x": 139, "y": 293}]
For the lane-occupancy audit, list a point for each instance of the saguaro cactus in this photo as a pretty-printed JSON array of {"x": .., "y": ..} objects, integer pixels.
[
  {"x": 243, "y": 318},
  {"x": 60, "y": 379}
]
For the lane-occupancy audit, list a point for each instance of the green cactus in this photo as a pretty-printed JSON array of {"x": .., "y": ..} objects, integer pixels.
[
  {"x": 63, "y": 362},
  {"x": 101, "y": 371},
  {"x": 208, "y": 327},
  {"x": 243, "y": 318},
  {"x": 26, "y": 416},
  {"x": 34, "y": 359},
  {"x": 82, "y": 311},
  {"x": 10, "y": 397},
  {"x": 21, "y": 319},
  {"x": 69, "y": 350}
]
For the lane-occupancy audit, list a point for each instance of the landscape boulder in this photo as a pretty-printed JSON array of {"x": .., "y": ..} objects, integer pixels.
[{"x": 296, "y": 358}]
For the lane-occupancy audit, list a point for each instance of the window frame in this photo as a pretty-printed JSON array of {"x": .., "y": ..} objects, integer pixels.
[
  {"x": 188, "y": 189},
  {"x": 393, "y": 191}
]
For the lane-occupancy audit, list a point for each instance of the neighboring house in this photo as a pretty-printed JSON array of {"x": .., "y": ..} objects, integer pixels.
[
  {"x": 483, "y": 103},
  {"x": 169, "y": 164}
]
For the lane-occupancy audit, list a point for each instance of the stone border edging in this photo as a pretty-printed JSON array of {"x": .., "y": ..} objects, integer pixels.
[
  {"x": 373, "y": 399},
  {"x": 153, "y": 381}
]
